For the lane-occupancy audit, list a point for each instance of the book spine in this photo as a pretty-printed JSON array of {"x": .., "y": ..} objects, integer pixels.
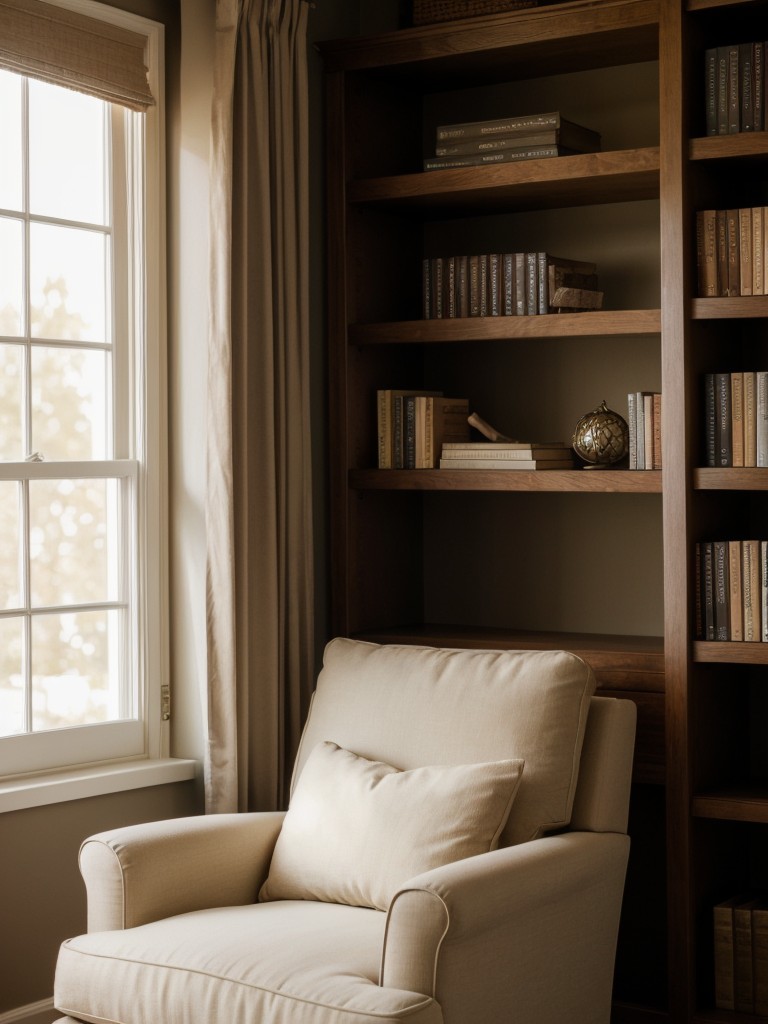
[
  {"x": 648, "y": 430},
  {"x": 383, "y": 410},
  {"x": 747, "y": 95},
  {"x": 483, "y": 285},
  {"x": 737, "y": 418},
  {"x": 709, "y": 590},
  {"x": 462, "y": 286},
  {"x": 494, "y": 284},
  {"x": 722, "y": 90},
  {"x": 437, "y": 288},
  {"x": 657, "y": 459},
  {"x": 472, "y": 129},
  {"x": 760, "y": 959},
  {"x": 632, "y": 424},
  {"x": 750, "y": 418},
  {"x": 723, "y": 949},
  {"x": 758, "y": 250},
  {"x": 449, "y": 285},
  {"x": 508, "y": 279},
  {"x": 723, "y": 436},
  {"x": 474, "y": 285},
  {"x": 706, "y": 248},
  {"x": 531, "y": 303},
  {"x": 426, "y": 288},
  {"x": 409, "y": 432},
  {"x": 710, "y": 89},
  {"x": 764, "y": 592},
  {"x": 736, "y": 611},
  {"x": 503, "y": 156},
  {"x": 721, "y": 241},
  {"x": 520, "y": 290},
  {"x": 759, "y": 86},
  {"x": 720, "y": 568},
  {"x": 745, "y": 251},
  {"x": 762, "y": 417},
  {"x": 710, "y": 420},
  {"x": 742, "y": 959},
  {"x": 640, "y": 429},
  {"x": 734, "y": 99},
  {"x": 751, "y": 589},
  {"x": 732, "y": 237}
]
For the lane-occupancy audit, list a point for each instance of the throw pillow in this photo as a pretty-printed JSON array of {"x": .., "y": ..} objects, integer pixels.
[{"x": 357, "y": 830}]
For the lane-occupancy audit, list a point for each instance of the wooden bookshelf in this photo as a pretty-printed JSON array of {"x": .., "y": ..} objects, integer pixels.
[{"x": 571, "y": 558}]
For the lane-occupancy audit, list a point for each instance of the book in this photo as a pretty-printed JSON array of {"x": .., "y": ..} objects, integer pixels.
[
  {"x": 764, "y": 591},
  {"x": 511, "y": 464},
  {"x": 482, "y": 452},
  {"x": 745, "y": 251},
  {"x": 737, "y": 419},
  {"x": 525, "y": 124},
  {"x": 750, "y": 418},
  {"x": 751, "y": 590},
  {"x": 706, "y": 250},
  {"x": 632, "y": 425},
  {"x": 573, "y": 136},
  {"x": 723, "y": 440},
  {"x": 503, "y": 156},
  {"x": 444, "y": 419},
  {"x": 720, "y": 589},
  {"x": 722, "y": 915},
  {"x": 743, "y": 993},
  {"x": 760, "y": 957},
  {"x": 657, "y": 457},
  {"x": 761, "y": 441},
  {"x": 735, "y": 607},
  {"x": 708, "y": 590},
  {"x": 390, "y": 434},
  {"x": 710, "y": 421},
  {"x": 710, "y": 89}
]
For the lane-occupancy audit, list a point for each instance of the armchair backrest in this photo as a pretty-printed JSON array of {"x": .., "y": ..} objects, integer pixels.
[{"x": 414, "y": 706}]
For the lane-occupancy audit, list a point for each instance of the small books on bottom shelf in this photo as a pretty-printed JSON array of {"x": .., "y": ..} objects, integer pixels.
[
  {"x": 741, "y": 955},
  {"x": 412, "y": 426},
  {"x": 509, "y": 455},
  {"x": 732, "y": 590},
  {"x": 644, "y": 421}
]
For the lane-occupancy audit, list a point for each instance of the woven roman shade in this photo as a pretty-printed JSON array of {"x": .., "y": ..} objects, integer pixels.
[{"x": 71, "y": 49}]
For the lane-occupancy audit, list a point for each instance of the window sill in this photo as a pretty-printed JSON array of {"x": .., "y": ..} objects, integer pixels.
[{"x": 79, "y": 783}]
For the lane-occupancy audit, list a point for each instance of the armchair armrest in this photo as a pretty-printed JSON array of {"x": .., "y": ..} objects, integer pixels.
[
  {"x": 142, "y": 873},
  {"x": 524, "y": 933}
]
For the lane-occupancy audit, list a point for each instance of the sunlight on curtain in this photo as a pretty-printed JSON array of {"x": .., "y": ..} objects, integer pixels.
[{"x": 259, "y": 514}]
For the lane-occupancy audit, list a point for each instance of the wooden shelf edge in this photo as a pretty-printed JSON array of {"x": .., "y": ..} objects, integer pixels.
[
  {"x": 617, "y": 481},
  {"x": 728, "y": 147},
  {"x": 723, "y": 308},
  {"x": 749, "y": 804},
  {"x": 605, "y": 323},
  {"x": 707, "y": 478},
  {"x": 726, "y": 652},
  {"x": 612, "y": 176}
]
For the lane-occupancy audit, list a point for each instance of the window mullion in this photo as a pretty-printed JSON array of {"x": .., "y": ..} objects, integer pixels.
[{"x": 26, "y": 571}]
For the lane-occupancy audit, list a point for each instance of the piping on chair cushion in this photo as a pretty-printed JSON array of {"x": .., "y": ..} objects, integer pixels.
[{"x": 357, "y": 829}]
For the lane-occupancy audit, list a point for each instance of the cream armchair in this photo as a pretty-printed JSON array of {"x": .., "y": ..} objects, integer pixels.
[{"x": 454, "y": 853}]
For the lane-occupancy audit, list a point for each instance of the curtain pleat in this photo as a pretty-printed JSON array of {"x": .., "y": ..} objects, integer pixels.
[{"x": 259, "y": 514}]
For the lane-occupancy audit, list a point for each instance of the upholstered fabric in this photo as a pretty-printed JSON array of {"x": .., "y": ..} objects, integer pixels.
[
  {"x": 303, "y": 962},
  {"x": 358, "y": 829},
  {"x": 524, "y": 934},
  {"x": 415, "y": 706}
]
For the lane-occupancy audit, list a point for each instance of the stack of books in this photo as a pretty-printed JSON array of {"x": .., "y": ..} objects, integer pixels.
[
  {"x": 732, "y": 251},
  {"x": 741, "y": 954},
  {"x": 507, "y": 284},
  {"x": 529, "y": 137},
  {"x": 736, "y": 418},
  {"x": 509, "y": 455},
  {"x": 412, "y": 426},
  {"x": 644, "y": 422},
  {"x": 732, "y": 590},
  {"x": 735, "y": 88}
]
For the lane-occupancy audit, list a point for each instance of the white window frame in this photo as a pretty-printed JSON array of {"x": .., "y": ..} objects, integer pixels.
[{"x": 124, "y": 754}]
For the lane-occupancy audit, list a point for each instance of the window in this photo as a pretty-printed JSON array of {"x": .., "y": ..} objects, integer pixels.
[{"x": 82, "y": 619}]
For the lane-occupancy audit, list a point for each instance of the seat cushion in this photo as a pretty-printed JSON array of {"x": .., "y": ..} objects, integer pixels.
[
  {"x": 357, "y": 830},
  {"x": 303, "y": 962},
  {"x": 414, "y": 706}
]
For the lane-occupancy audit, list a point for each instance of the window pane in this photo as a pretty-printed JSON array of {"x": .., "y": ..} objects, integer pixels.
[
  {"x": 11, "y": 676},
  {"x": 66, "y": 154},
  {"x": 74, "y": 669},
  {"x": 70, "y": 407},
  {"x": 11, "y": 417},
  {"x": 10, "y": 151},
  {"x": 11, "y": 263},
  {"x": 10, "y": 545},
  {"x": 68, "y": 277},
  {"x": 73, "y": 541}
]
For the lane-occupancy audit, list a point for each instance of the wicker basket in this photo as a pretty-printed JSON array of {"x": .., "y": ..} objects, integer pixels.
[{"x": 427, "y": 12}]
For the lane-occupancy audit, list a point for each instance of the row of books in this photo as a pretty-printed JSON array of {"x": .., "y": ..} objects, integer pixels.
[
  {"x": 740, "y": 927},
  {"x": 732, "y": 590},
  {"x": 507, "y": 284},
  {"x": 644, "y": 422},
  {"x": 508, "y": 455},
  {"x": 736, "y": 418},
  {"x": 732, "y": 251},
  {"x": 527, "y": 137},
  {"x": 412, "y": 426},
  {"x": 735, "y": 88}
]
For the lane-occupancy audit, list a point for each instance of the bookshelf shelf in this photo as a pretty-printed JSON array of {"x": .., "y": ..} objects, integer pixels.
[
  {"x": 730, "y": 479},
  {"x": 749, "y": 804},
  {"x": 563, "y": 480},
  {"x": 729, "y": 308},
  {"x": 586, "y": 179},
  {"x": 743, "y": 145},
  {"x": 603, "y": 323},
  {"x": 730, "y": 653}
]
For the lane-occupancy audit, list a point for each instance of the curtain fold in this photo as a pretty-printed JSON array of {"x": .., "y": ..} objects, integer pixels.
[{"x": 259, "y": 500}]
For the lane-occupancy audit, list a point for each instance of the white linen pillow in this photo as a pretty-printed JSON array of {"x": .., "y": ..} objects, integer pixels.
[{"x": 357, "y": 830}]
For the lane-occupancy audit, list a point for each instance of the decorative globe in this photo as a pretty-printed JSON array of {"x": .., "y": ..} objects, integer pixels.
[{"x": 601, "y": 437}]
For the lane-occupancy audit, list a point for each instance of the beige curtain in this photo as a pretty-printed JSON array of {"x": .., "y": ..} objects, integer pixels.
[{"x": 259, "y": 516}]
